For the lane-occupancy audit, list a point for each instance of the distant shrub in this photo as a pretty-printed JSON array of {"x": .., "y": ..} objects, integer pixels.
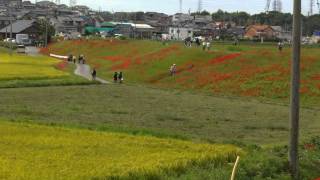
[{"x": 8, "y": 45}]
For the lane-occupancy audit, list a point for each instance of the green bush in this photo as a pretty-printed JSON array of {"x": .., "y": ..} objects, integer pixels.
[{"x": 8, "y": 45}]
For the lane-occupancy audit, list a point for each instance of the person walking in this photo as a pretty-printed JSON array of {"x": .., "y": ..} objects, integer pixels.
[
  {"x": 115, "y": 77},
  {"x": 74, "y": 59},
  {"x": 280, "y": 46},
  {"x": 173, "y": 70},
  {"x": 204, "y": 45},
  {"x": 208, "y": 45},
  {"x": 120, "y": 77},
  {"x": 83, "y": 60},
  {"x": 94, "y": 74}
]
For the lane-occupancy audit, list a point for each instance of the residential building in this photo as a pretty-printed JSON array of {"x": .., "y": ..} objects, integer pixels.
[
  {"x": 5, "y": 21},
  {"x": 260, "y": 32},
  {"x": 141, "y": 31},
  {"x": 181, "y": 33},
  {"x": 68, "y": 24},
  {"x": 238, "y": 31},
  {"x": 29, "y": 27}
]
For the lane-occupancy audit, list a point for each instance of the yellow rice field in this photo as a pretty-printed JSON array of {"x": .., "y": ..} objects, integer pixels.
[
  {"x": 29, "y": 151},
  {"x": 28, "y": 67}
]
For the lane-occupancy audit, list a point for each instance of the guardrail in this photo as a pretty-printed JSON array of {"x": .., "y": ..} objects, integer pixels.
[{"x": 58, "y": 56}]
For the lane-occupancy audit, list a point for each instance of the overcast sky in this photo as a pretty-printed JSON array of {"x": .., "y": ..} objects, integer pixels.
[{"x": 172, "y": 6}]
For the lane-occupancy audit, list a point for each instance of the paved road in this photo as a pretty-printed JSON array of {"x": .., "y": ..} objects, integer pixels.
[{"x": 84, "y": 71}]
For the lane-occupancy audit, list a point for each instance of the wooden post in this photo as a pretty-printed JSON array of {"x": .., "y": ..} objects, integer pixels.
[
  {"x": 233, "y": 176},
  {"x": 295, "y": 87}
]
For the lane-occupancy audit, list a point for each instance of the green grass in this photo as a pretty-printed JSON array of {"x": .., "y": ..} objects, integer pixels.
[
  {"x": 176, "y": 113},
  {"x": 41, "y": 152}
]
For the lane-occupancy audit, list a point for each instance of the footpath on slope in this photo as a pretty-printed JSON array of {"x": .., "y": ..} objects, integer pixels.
[{"x": 82, "y": 70}]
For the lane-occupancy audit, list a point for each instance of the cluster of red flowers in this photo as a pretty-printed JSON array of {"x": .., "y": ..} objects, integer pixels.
[
  {"x": 44, "y": 51},
  {"x": 62, "y": 65},
  {"x": 126, "y": 62},
  {"x": 162, "y": 54},
  {"x": 224, "y": 58}
]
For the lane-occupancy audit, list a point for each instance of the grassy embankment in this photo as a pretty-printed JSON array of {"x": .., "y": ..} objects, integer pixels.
[{"x": 250, "y": 70}]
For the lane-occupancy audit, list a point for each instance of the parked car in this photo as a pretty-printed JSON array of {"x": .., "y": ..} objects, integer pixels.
[
  {"x": 21, "y": 49},
  {"x": 11, "y": 40}
]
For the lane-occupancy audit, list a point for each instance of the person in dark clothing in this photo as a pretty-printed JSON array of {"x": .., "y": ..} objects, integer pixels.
[
  {"x": 94, "y": 74},
  {"x": 70, "y": 57},
  {"x": 115, "y": 77},
  {"x": 120, "y": 77},
  {"x": 198, "y": 42},
  {"x": 83, "y": 60}
]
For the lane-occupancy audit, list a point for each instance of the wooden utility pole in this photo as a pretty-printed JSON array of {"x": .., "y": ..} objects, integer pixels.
[
  {"x": 295, "y": 87},
  {"x": 11, "y": 34}
]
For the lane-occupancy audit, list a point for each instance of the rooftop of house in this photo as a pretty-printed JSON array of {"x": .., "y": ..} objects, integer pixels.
[
  {"x": 259, "y": 27},
  {"x": 18, "y": 26}
]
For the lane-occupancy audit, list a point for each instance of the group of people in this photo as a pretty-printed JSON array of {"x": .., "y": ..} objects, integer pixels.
[
  {"x": 118, "y": 77},
  {"x": 81, "y": 59},
  {"x": 206, "y": 43}
]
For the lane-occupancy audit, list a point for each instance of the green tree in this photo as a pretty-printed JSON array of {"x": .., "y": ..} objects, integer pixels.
[{"x": 45, "y": 28}]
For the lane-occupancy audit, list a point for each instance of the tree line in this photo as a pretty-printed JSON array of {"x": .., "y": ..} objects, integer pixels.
[{"x": 310, "y": 24}]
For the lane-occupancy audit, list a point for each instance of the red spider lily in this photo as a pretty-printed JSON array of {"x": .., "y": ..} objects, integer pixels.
[
  {"x": 124, "y": 65},
  {"x": 304, "y": 90},
  {"x": 162, "y": 54},
  {"x": 310, "y": 147},
  {"x": 62, "y": 65},
  {"x": 316, "y": 77},
  {"x": 224, "y": 58},
  {"x": 252, "y": 92},
  {"x": 44, "y": 51}
]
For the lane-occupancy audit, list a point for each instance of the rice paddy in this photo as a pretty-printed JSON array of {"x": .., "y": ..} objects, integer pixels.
[{"x": 31, "y": 151}]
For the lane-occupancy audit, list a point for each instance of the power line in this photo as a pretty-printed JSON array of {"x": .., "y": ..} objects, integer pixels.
[{"x": 200, "y": 4}]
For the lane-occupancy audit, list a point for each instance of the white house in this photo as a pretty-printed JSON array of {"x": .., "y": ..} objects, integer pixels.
[{"x": 180, "y": 33}]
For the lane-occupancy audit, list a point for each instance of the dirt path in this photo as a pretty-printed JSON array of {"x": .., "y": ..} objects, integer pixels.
[{"x": 84, "y": 71}]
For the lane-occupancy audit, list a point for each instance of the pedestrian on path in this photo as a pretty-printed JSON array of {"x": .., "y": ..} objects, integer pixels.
[
  {"x": 120, "y": 77},
  {"x": 115, "y": 77},
  {"x": 74, "y": 59},
  {"x": 94, "y": 74}
]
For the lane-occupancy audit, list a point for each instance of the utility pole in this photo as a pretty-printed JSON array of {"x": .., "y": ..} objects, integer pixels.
[
  {"x": 311, "y": 4},
  {"x": 295, "y": 96},
  {"x": 46, "y": 33},
  {"x": 10, "y": 16}
]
